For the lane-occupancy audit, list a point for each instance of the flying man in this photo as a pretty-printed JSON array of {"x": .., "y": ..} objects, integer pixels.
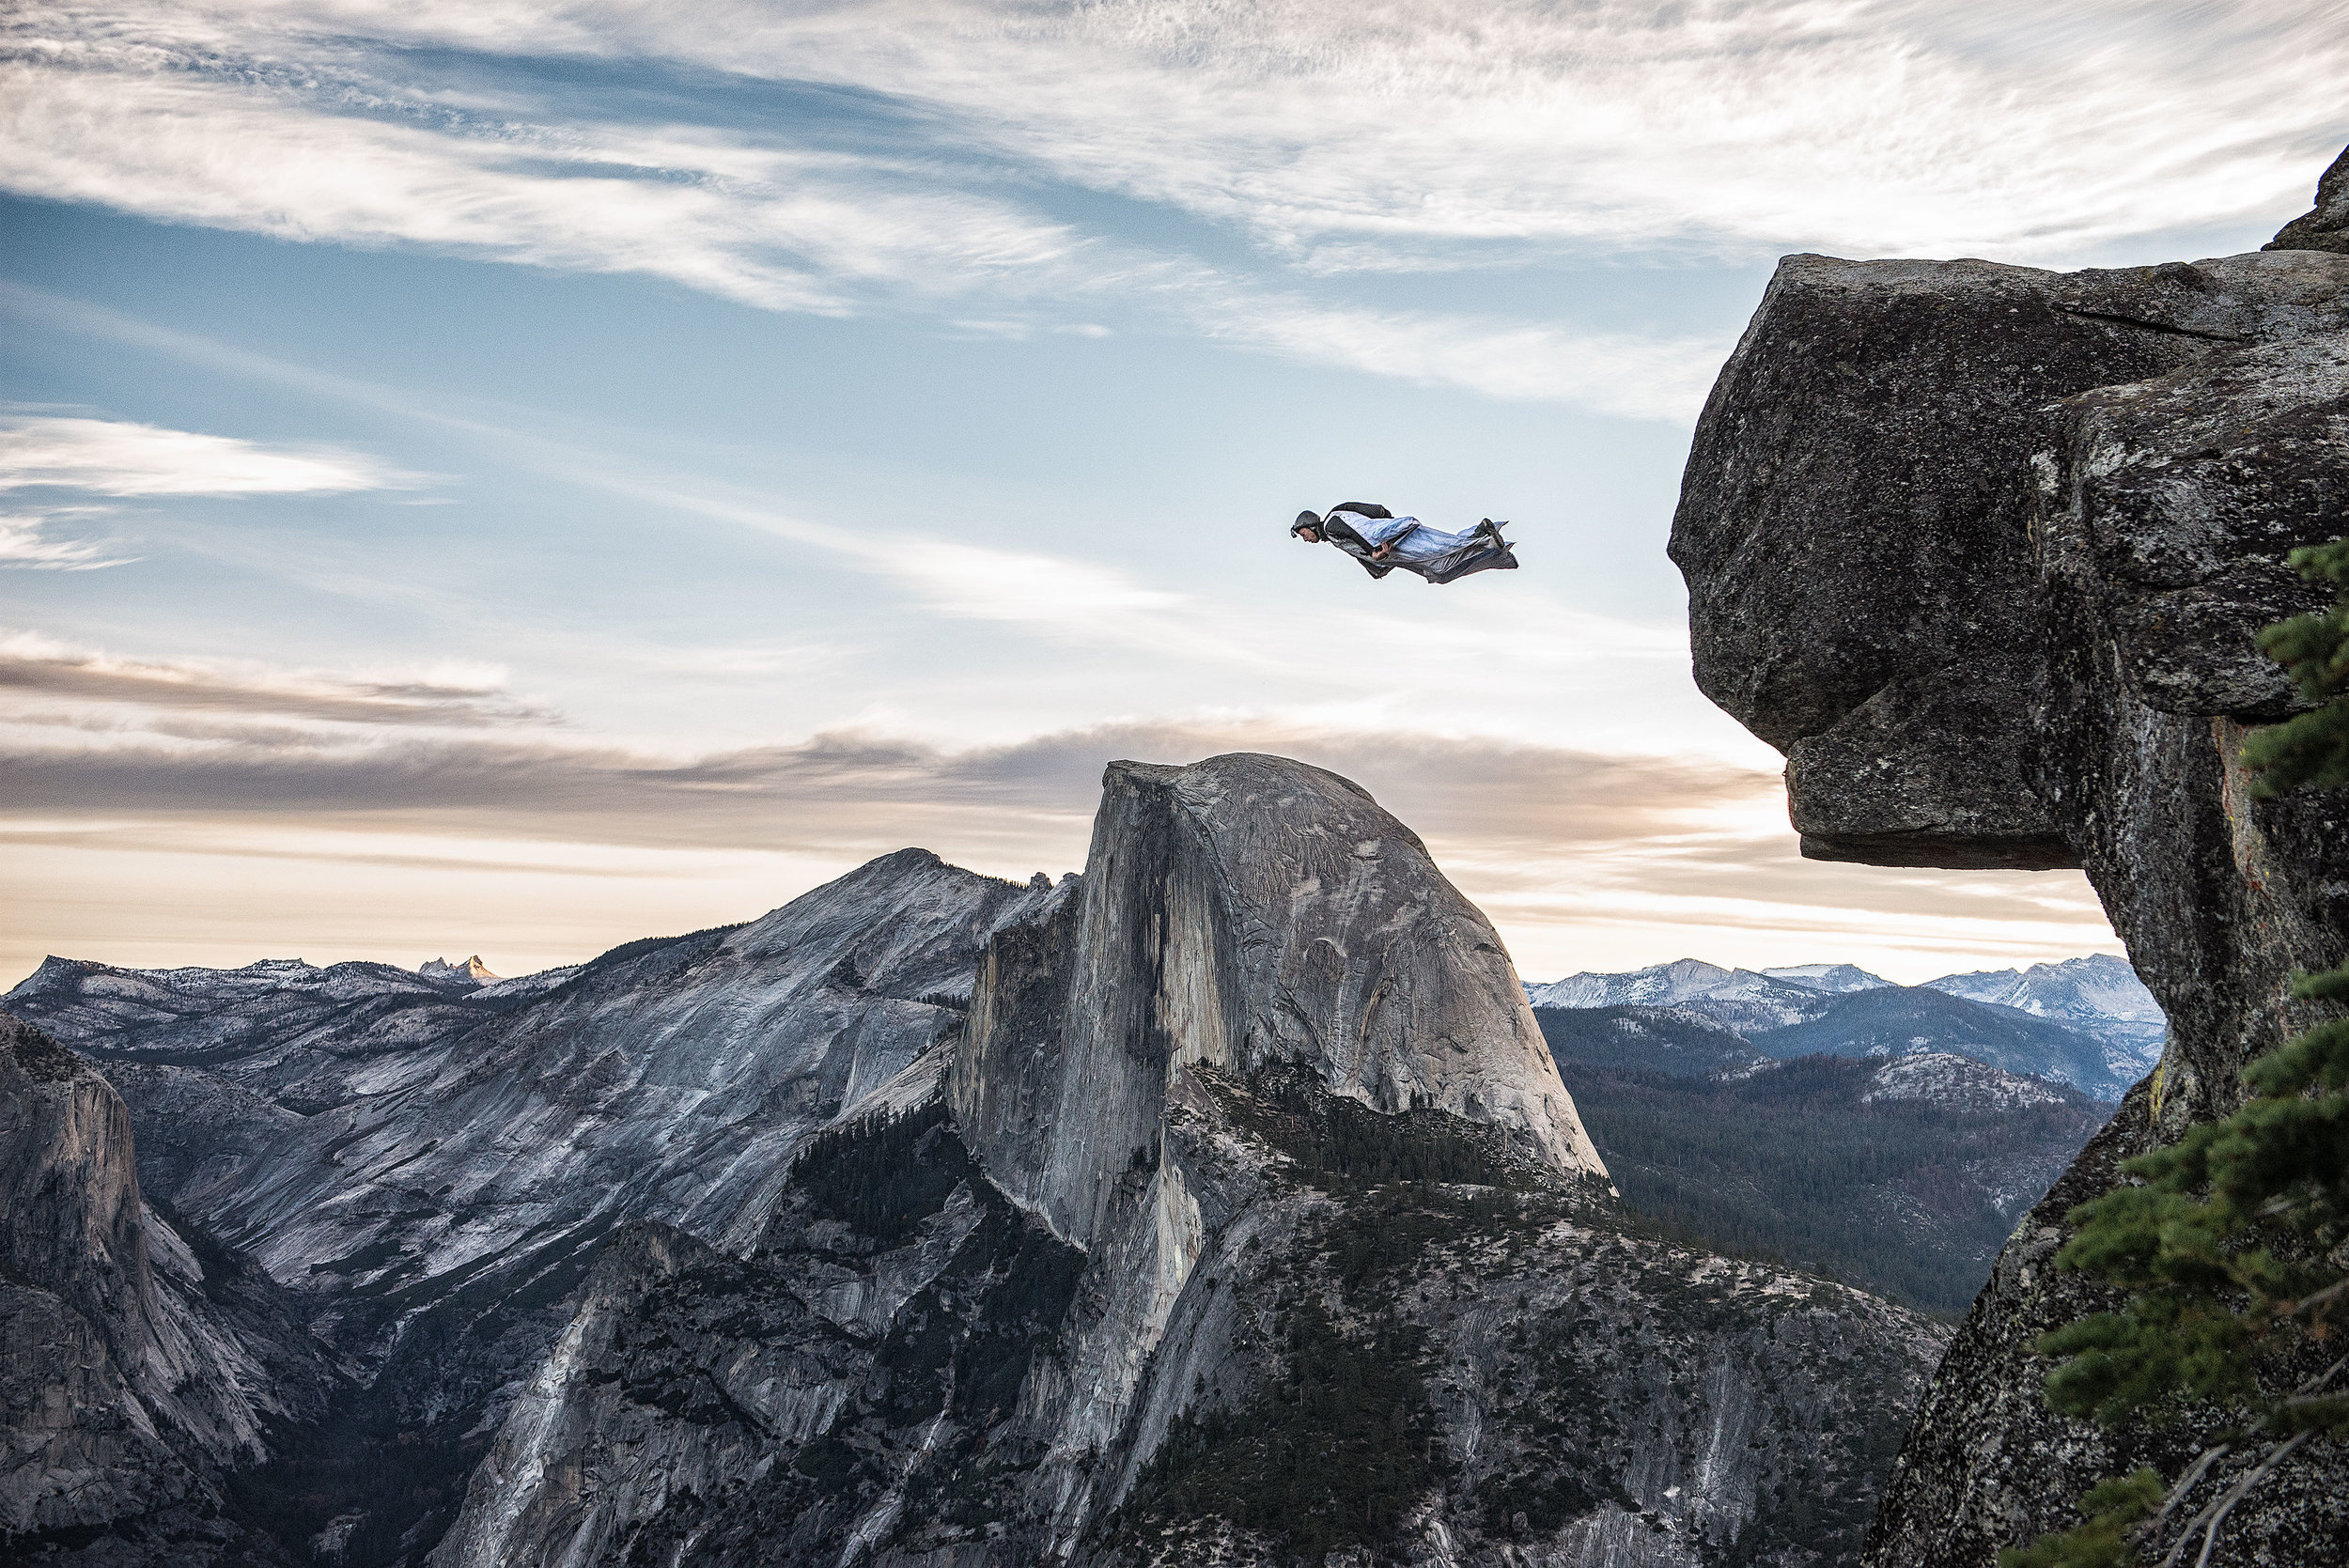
[{"x": 1382, "y": 541}]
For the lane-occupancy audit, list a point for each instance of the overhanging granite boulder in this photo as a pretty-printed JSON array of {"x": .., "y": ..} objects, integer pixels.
[{"x": 1855, "y": 522}]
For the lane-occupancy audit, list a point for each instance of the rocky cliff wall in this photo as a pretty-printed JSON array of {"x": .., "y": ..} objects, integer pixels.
[
  {"x": 134, "y": 1371},
  {"x": 1982, "y": 550},
  {"x": 1242, "y": 911},
  {"x": 2325, "y": 226},
  {"x": 428, "y": 1174},
  {"x": 420, "y": 1165}
]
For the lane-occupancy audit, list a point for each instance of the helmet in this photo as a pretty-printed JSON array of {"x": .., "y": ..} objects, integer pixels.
[{"x": 1305, "y": 520}]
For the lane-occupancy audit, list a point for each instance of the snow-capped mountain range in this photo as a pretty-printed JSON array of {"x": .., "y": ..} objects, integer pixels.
[{"x": 2086, "y": 1022}]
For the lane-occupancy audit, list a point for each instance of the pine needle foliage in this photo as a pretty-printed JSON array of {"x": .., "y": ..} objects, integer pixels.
[
  {"x": 2236, "y": 1246},
  {"x": 2311, "y": 747}
]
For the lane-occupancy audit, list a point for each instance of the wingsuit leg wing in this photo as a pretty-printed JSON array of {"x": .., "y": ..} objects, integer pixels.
[{"x": 1468, "y": 560}]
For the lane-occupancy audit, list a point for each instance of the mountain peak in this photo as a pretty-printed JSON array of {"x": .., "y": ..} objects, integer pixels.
[
  {"x": 472, "y": 971},
  {"x": 1832, "y": 979},
  {"x": 1250, "y": 916}
]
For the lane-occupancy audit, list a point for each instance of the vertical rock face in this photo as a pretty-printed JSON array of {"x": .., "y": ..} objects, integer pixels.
[
  {"x": 1239, "y": 913},
  {"x": 1855, "y": 522},
  {"x": 128, "y": 1377},
  {"x": 1245, "y": 1227},
  {"x": 1982, "y": 550},
  {"x": 80, "y": 1300},
  {"x": 479, "y": 1147}
]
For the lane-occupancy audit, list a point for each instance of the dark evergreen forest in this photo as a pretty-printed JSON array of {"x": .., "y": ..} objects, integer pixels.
[{"x": 1789, "y": 1164}]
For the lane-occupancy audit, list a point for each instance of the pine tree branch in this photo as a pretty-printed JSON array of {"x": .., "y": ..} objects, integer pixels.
[
  {"x": 2152, "y": 1530},
  {"x": 2324, "y": 1298},
  {"x": 2206, "y": 1523},
  {"x": 2321, "y": 1378},
  {"x": 2242, "y": 1489}
]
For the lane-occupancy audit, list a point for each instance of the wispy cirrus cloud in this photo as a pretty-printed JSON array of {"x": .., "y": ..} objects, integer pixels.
[
  {"x": 1428, "y": 137},
  {"x": 155, "y": 131},
  {"x": 115, "y": 458},
  {"x": 25, "y": 544},
  {"x": 1648, "y": 378},
  {"x": 731, "y": 214},
  {"x": 90, "y": 680},
  {"x": 1890, "y": 124}
]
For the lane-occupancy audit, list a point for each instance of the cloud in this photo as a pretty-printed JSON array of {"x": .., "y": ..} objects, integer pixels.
[
  {"x": 37, "y": 667},
  {"x": 1432, "y": 137},
  {"x": 114, "y": 458},
  {"x": 1328, "y": 128},
  {"x": 1429, "y": 137},
  {"x": 1644, "y": 377},
  {"x": 845, "y": 791},
  {"x": 775, "y": 226},
  {"x": 171, "y": 135},
  {"x": 1585, "y": 859},
  {"x": 1883, "y": 125},
  {"x": 25, "y": 546}
]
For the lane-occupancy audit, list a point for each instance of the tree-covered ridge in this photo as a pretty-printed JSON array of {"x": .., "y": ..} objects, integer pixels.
[
  {"x": 1795, "y": 1162},
  {"x": 1338, "y": 1143},
  {"x": 885, "y": 1171},
  {"x": 1330, "y": 1454}
]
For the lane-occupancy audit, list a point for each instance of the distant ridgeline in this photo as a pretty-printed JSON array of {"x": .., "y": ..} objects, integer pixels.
[
  {"x": 1886, "y": 1135},
  {"x": 2085, "y": 1022}
]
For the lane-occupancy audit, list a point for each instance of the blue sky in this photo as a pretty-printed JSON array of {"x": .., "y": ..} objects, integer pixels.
[{"x": 516, "y": 478}]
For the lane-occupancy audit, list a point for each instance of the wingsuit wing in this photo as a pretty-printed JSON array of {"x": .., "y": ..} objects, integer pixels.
[
  {"x": 1341, "y": 533},
  {"x": 1466, "y": 561}
]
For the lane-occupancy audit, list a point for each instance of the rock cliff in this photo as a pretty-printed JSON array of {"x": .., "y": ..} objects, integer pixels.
[
  {"x": 2326, "y": 227},
  {"x": 136, "y": 1369},
  {"x": 1982, "y": 549},
  {"x": 1245, "y": 911},
  {"x": 1247, "y": 1222}
]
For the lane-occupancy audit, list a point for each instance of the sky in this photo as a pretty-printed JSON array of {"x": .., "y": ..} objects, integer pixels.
[{"x": 516, "y": 479}]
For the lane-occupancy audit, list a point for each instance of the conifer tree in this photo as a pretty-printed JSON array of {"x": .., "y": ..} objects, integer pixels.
[{"x": 2236, "y": 1248}]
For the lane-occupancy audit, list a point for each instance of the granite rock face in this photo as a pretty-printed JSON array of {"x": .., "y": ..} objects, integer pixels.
[
  {"x": 935, "y": 1218},
  {"x": 1242, "y": 1184},
  {"x": 1244, "y": 911},
  {"x": 136, "y": 1370},
  {"x": 1856, "y": 521},
  {"x": 378, "y": 1140},
  {"x": 1982, "y": 549}
]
